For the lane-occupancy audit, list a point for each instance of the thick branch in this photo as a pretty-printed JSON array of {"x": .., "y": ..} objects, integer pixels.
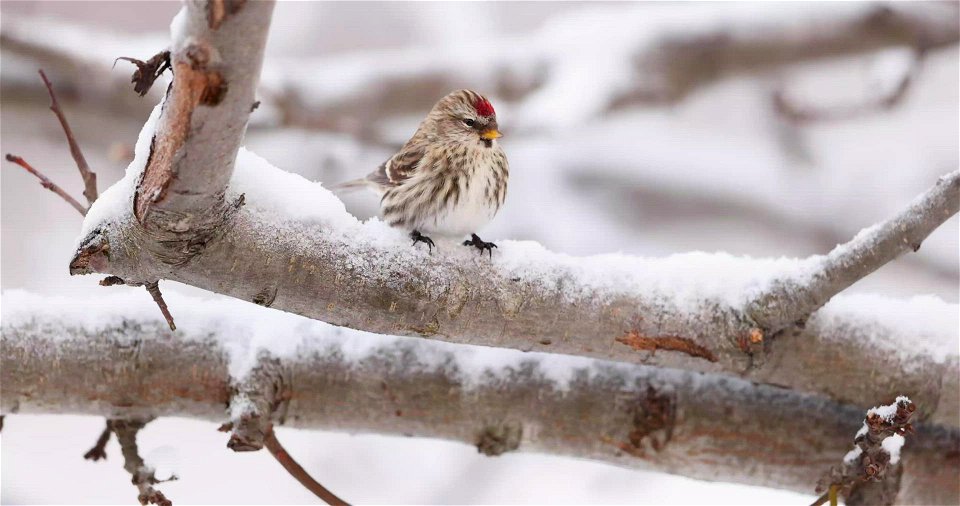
[
  {"x": 792, "y": 300},
  {"x": 687, "y": 312},
  {"x": 216, "y": 67},
  {"x": 703, "y": 426}
]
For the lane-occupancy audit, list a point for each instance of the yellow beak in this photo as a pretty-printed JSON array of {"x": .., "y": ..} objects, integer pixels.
[{"x": 491, "y": 134}]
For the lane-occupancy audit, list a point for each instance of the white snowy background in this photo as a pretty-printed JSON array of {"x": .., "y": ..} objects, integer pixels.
[{"x": 719, "y": 171}]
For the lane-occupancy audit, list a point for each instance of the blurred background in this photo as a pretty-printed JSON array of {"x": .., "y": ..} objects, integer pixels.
[{"x": 767, "y": 129}]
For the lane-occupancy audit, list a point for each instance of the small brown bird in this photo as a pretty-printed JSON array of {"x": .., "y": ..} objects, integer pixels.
[{"x": 450, "y": 178}]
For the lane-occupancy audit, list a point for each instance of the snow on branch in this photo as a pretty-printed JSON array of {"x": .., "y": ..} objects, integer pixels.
[
  {"x": 108, "y": 357},
  {"x": 871, "y": 472},
  {"x": 292, "y": 246},
  {"x": 790, "y": 300}
]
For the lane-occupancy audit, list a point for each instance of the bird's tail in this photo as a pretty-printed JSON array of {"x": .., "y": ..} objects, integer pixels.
[{"x": 351, "y": 186}]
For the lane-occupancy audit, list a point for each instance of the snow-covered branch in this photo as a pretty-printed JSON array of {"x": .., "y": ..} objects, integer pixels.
[
  {"x": 791, "y": 300},
  {"x": 293, "y": 247},
  {"x": 108, "y": 357}
]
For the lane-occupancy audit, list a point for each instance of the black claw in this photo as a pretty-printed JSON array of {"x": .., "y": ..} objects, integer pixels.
[
  {"x": 418, "y": 237},
  {"x": 480, "y": 244}
]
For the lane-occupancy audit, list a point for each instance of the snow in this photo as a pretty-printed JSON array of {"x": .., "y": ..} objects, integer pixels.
[
  {"x": 888, "y": 411},
  {"x": 852, "y": 455},
  {"x": 892, "y": 445},
  {"x": 115, "y": 204},
  {"x": 245, "y": 330},
  {"x": 924, "y": 323},
  {"x": 281, "y": 204}
]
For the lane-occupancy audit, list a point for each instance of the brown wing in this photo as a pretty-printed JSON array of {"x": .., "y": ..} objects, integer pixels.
[{"x": 400, "y": 166}]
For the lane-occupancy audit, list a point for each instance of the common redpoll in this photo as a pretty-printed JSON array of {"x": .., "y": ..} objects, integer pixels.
[{"x": 450, "y": 178}]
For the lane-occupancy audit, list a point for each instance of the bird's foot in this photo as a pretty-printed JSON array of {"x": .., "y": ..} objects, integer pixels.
[
  {"x": 480, "y": 244},
  {"x": 418, "y": 237}
]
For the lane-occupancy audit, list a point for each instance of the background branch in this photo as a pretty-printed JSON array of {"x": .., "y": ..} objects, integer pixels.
[{"x": 666, "y": 67}]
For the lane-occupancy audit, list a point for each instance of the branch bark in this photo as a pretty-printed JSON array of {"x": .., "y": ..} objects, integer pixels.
[
  {"x": 216, "y": 66},
  {"x": 702, "y": 426},
  {"x": 551, "y": 303},
  {"x": 793, "y": 300}
]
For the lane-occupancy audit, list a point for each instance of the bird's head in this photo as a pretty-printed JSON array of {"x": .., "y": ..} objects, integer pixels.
[{"x": 466, "y": 116}]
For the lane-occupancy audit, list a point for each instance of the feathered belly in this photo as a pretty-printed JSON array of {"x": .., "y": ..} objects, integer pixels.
[
  {"x": 447, "y": 206},
  {"x": 470, "y": 214}
]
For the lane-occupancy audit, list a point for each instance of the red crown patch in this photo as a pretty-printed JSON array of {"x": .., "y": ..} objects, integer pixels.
[{"x": 483, "y": 107}]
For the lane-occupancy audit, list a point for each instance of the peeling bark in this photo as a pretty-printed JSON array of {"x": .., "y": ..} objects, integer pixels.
[
  {"x": 685, "y": 345},
  {"x": 180, "y": 199}
]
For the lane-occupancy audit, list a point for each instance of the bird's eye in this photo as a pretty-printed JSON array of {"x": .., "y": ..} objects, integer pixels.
[{"x": 469, "y": 122}]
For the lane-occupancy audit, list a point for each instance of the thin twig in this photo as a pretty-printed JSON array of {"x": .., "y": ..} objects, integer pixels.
[
  {"x": 98, "y": 451},
  {"x": 870, "y": 473},
  {"x": 292, "y": 467},
  {"x": 143, "y": 476},
  {"x": 829, "y": 496},
  {"x": 153, "y": 288},
  {"x": 47, "y": 183},
  {"x": 89, "y": 177}
]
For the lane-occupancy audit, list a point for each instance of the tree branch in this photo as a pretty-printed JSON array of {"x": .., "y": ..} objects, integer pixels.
[
  {"x": 699, "y": 425},
  {"x": 871, "y": 473},
  {"x": 694, "y": 312},
  {"x": 88, "y": 176},
  {"x": 153, "y": 288},
  {"x": 143, "y": 476},
  {"x": 99, "y": 449},
  {"x": 47, "y": 183},
  {"x": 298, "y": 472},
  {"x": 804, "y": 113},
  {"x": 792, "y": 300}
]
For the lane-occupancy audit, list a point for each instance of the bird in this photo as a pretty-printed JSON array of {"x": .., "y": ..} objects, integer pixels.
[{"x": 449, "y": 179}]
